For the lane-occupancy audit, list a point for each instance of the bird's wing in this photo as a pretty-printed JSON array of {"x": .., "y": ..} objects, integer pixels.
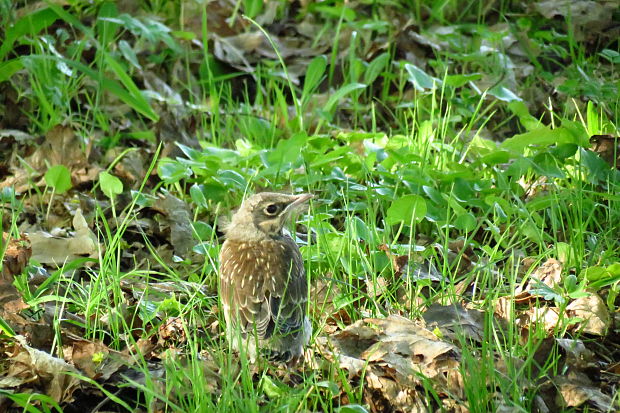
[{"x": 264, "y": 286}]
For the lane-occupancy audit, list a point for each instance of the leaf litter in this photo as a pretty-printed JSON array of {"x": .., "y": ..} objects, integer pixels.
[{"x": 393, "y": 356}]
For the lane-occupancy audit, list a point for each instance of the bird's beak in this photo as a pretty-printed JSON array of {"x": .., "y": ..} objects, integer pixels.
[
  {"x": 297, "y": 203},
  {"x": 300, "y": 199}
]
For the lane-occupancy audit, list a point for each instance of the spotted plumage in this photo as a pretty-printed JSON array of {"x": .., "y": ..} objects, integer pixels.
[{"x": 263, "y": 286}]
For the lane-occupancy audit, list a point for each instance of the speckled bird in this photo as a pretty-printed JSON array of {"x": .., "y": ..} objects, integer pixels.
[{"x": 263, "y": 284}]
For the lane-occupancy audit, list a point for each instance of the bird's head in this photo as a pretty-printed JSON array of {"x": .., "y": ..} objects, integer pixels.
[{"x": 263, "y": 215}]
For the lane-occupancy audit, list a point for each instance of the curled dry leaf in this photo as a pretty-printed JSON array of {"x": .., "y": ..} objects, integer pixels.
[
  {"x": 593, "y": 311},
  {"x": 91, "y": 357},
  {"x": 577, "y": 389},
  {"x": 179, "y": 219},
  {"x": 171, "y": 332},
  {"x": 455, "y": 321},
  {"x": 53, "y": 250},
  {"x": 47, "y": 373},
  {"x": 549, "y": 273},
  {"x": 548, "y": 317},
  {"x": 396, "y": 350}
]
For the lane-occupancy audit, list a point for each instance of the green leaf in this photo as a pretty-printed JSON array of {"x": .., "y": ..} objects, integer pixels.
[
  {"x": 253, "y": 8},
  {"x": 129, "y": 54},
  {"x": 340, "y": 94},
  {"x": 331, "y": 386},
  {"x": 541, "y": 136},
  {"x": 460, "y": 80},
  {"x": 614, "y": 269},
  {"x": 270, "y": 388},
  {"x": 110, "y": 185},
  {"x": 351, "y": 408},
  {"x": 376, "y": 67},
  {"x": 9, "y": 68},
  {"x": 59, "y": 178},
  {"x": 198, "y": 196},
  {"x": 314, "y": 74},
  {"x": 409, "y": 209},
  {"x": 30, "y": 24},
  {"x": 466, "y": 222},
  {"x": 503, "y": 94},
  {"x": 138, "y": 100},
  {"x": 545, "y": 164},
  {"x": 203, "y": 231},
  {"x": 595, "y": 273},
  {"x": 6, "y": 329},
  {"x": 420, "y": 80},
  {"x": 528, "y": 121},
  {"x": 288, "y": 150},
  {"x": 173, "y": 171}
]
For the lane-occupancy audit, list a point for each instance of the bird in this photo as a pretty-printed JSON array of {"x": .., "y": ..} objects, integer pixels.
[{"x": 263, "y": 285}]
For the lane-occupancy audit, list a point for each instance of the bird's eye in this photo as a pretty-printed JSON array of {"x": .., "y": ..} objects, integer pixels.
[{"x": 272, "y": 209}]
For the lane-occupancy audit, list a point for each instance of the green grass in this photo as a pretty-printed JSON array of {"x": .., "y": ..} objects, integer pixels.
[{"x": 370, "y": 133}]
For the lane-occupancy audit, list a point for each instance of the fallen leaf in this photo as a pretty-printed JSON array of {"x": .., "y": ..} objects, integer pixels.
[
  {"x": 593, "y": 310},
  {"x": 46, "y": 372},
  {"x": 48, "y": 249}
]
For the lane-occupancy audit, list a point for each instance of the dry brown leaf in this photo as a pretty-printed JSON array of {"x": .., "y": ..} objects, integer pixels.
[
  {"x": 47, "y": 373},
  {"x": 549, "y": 273},
  {"x": 608, "y": 148},
  {"x": 171, "y": 332},
  {"x": 53, "y": 250},
  {"x": 61, "y": 147},
  {"x": 387, "y": 395},
  {"x": 593, "y": 310},
  {"x": 455, "y": 320},
  {"x": 88, "y": 356},
  {"x": 578, "y": 389},
  {"x": 16, "y": 256},
  {"x": 547, "y": 316},
  {"x": 397, "y": 343},
  {"x": 179, "y": 219}
]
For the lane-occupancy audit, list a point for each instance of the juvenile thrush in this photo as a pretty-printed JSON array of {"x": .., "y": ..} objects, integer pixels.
[{"x": 263, "y": 284}]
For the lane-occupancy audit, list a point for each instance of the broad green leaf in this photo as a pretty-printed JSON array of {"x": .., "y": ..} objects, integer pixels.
[
  {"x": 59, "y": 178},
  {"x": 341, "y": 93},
  {"x": 173, "y": 171},
  {"x": 466, "y": 222},
  {"x": 314, "y": 74},
  {"x": 595, "y": 273},
  {"x": 9, "y": 68},
  {"x": 129, "y": 54},
  {"x": 614, "y": 269},
  {"x": 253, "y": 8},
  {"x": 110, "y": 185},
  {"x": 541, "y": 136},
  {"x": 460, "y": 80},
  {"x": 409, "y": 209},
  {"x": 198, "y": 196},
  {"x": 528, "y": 121},
  {"x": 420, "y": 80},
  {"x": 287, "y": 150},
  {"x": 203, "y": 231},
  {"x": 376, "y": 67},
  {"x": 351, "y": 408},
  {"x": 503, "y": 94},
  {"x": 545, "y": 164},
  {"x": 30, "y": 24}
]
